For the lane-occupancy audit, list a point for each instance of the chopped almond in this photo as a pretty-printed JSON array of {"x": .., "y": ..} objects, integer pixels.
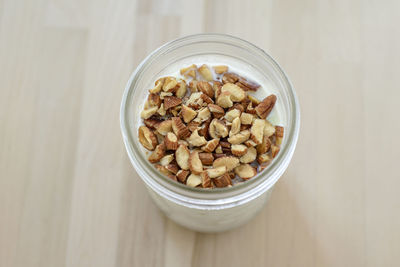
[
  {"x": 224, "y": 100},
  {"x": 220, "y": 69},
  {"x": 151, "y": 123},
  {"x": 147, "y": 138},
  {"x": 257, "y": 131},
  {"x": 206, "y": 99},
  {"x": 223, "y": 181},
  {"x": 239, "y": 150},
  {"x": 269, "y": 129},
  {"x": 203, "y": 129},
  {"x": 179, "y": 128},
  {"x": 246, "y": 118},
  {"x": 196, "y": 140},
  {"x": 188, "y": 114},
  {"x": 245, "y": 171},
  {"x": 193, "y": 86},
  {"x": 154, "y": 100},
  {"x": 195, "y": 164},
  {"x": 182, "y": 175},
  {"x": 158, "y": 153},
  {"x": 158, "y": 86},
  {"x": 263, "y": 158},
  {"x": 216, "y": 110},
  {"x": 173, "y": 168},
  {"x": 193, "y": 180},
  {"x": 162, "y": 169},
  {"x": 217, "y": 88},
  {"x": 230, "y": 77},
  {"x": 237, "y": 93},
  {"x": 229, "y": 162},
  {"x": 205, "y": 180},
  {"x": 218, "y": 129},
  {"x": 231, "y": 115},
  {"x": 189, "y": 71},
  {"x": 211, "y": 145},
  {"x": 225, "y": 144},
  {"x": 264, "y": 146},
  {"x": 162, "y": 110},
  {"x": 170, "y": 85},
  {"x": 204, "y": 114},
  {"x": 171, "y": 101},
  {"x": 215, "y": 172},
  {"x": 205, "y": 88},
  {"x": 147, "y": 113},
  {"x": 171, "y": 141},
  {"x": 182, "y": 157},
  {"x": 218, "y": 150},
  {"x": 235, "y": 127},
  {"x": 206, "y": 158},
  {"x": 205, "y": 72},
  {"x": 182, "y": 89},
  {"x": 274, "y": 150},
  {"x": 250, "y": 155},
  {"x": 164, "y": 161},
  {"x": 239, "y": 138},
  {"x": 250, "y": 143},
  {"x": 193, "y": 125},
  {"x": 278, "y": 134}
]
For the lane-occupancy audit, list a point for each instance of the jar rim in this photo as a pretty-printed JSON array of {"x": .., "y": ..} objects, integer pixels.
[{"x": 180, "y": 192}]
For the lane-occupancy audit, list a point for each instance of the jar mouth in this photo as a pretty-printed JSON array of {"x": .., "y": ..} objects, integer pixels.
[{"x": 262, "y": 180}]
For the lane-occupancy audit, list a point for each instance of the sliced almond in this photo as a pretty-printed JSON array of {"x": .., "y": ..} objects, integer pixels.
[
  {"x": 239, "y": 138},
  {"x": 223, "y": 181},
  {"x": 215, "y": 172},
  {"x": 147, "y": 113},
  {"x": 182, "y": 175},
  {"x": 231, "y": 115},
  {"x": 274, "y": 150},
  {"x": 230, "y": 77},
  {"x": 204, "y": 114},
  {"x": 182, "y": 157},
  {"x": 229, "y": 162},
  {"x": 157, "y": 154},
  {"x": 205, "y": 180},
  {"x": 193, "y": 180},
  {"x": 235, "y": 127},
  {"x": 257, "y": 131},
  {"x": 171, "y": 101},
  {"x": 245, "y": 171},
  {"x": 265, "y": 107},
  {"x": 206, "y": 158},
  {"x": 173, "y": 168},
  {"x": 250, "y": 155},
  {"x": 205, "y": 72},
  {"x": 196, "y": 140},
  {"x": 237, "y": 93},
  {"x": 211, "y": 145},
  {"x": 205, "y": 88},
  {"x": 263, "y": 158},
  {"x": 250, "y": 143},
  {"x": 195, "y": 164},
  {"x": 246, "y": 118},
  {"x": 164, "y": 127},
  {"x": 167, "y": 159},
  {"x": 220, "y": 69},
  {"x": 188, "y": 114},
  {"x": 182, "y": 89},
  {"x": 264, "y": 146},
  {"x": 239, "y": 150},
  {"x": 269, "y": 129},
  {"x": 147, "y": 138},
  {"x": 179, "y": 128},
  {"x": 171, "y": 141},
  {"x": 224, "y": 100},
  {"x": 279, "y": 135}
]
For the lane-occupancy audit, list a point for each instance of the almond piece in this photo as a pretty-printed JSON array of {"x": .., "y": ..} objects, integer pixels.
[
  {"x": 167, "y": 159},
  {"x": 170, "y": 84},
  {"x": 215, "y": 172},
  {"x": 162, "y": 110},
  {"x": 253, "y": 100},
  {"x": 279, "y": 135},
  {"x": 154, "y": 100},
  {"x": 250, "y": 143},
  {"x": 239, "y": 150},
  {"x": 162, "y": 169},
  {"x": 211, "y": 145},
  {"x": 217, "y": 88},
  {"x": 181, "y": 91},
  {"x": 171, "y": 141},
  {"x": 193, "y": 180},
  {"x": 164, "y": 127},
  {"x": 250, "y": 109},
  {"x": 274, "y": 150},
  {"x": 229, "y": 162},
  {"x": 215, "y": 109},
  {"x": 147, "y": 138},
  {"x": 220, "y": 129},
  {"x": 205, "y": 180},
  {"x": 205, "y": 72},
  {"x": 206, "y": 99},
  {"x": 206, "y": 158},
  {"x": 160, "y": 138},
  {"x": 231, "y": 115},
  {"x": 205, "y": 88},
  {"x": 225, "y": 144},
  {"x": 239, "y": 138},
  {"x": 204, "y": 114},
  {"x": 188, "y": 114},
  {"x": 152, "y": 123},
  {"x": 195, "y": 164},
  {"x": 171, "y": 101},
  {"x": 203, "y": 129},
  {"x": 182, "y": 157},
  {"x": 237, "y": 93},
  {"x": 269, "y": 129},
  {"x": 193, "y": 86},
  {"x": 147, "y": 113},
  {"x": 220, "y": 69},
  {"x": 265, "y": 107},
  {"x": 257, "y": 131},
  {"x": 224, "y": 100},
  {"x": 194, "y": 99},
  {"x": 179, "y": 128},
  {"x": 165, "y": 94},
  {"x": 158, "y": 86},
  {"x": 230, "y": 77},
  {"x": 189, "y": 71},
  {"x": 263, "y": 158},
  {"x": 182, "y": 175},
  {"x": 157, "y": 154},
  {"x": 244, "y": 127},
  {"x": 219, "y": 155},
  {"x": 247, "y": 85},
  {"x": 196, "y": 140},
  {"x": 245, "y": 171},
  {"x": 246, "y": 118},
  {"x": 218, "y": 150},
  {"x": 173, "y": 168},
  {"x": 183, "y": 142},
  {"x": 237, "y": 106},
  {"x": 250, "y": 155},
  {"x": 223, "y": 181},
  {"x": 264, "y": 146},
  {"x": 235, "y": 127},
  {"x": 193, "y": 125}
]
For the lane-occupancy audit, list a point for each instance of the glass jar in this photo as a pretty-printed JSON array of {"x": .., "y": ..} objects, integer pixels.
[{"x": 218, "y": 209}]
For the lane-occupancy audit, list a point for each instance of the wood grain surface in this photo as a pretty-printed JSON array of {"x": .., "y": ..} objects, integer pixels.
[{"x": 70, "y": 197}]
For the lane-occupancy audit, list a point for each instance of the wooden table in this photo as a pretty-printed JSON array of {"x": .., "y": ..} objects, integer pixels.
[{"x": 70, "y": 197}]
